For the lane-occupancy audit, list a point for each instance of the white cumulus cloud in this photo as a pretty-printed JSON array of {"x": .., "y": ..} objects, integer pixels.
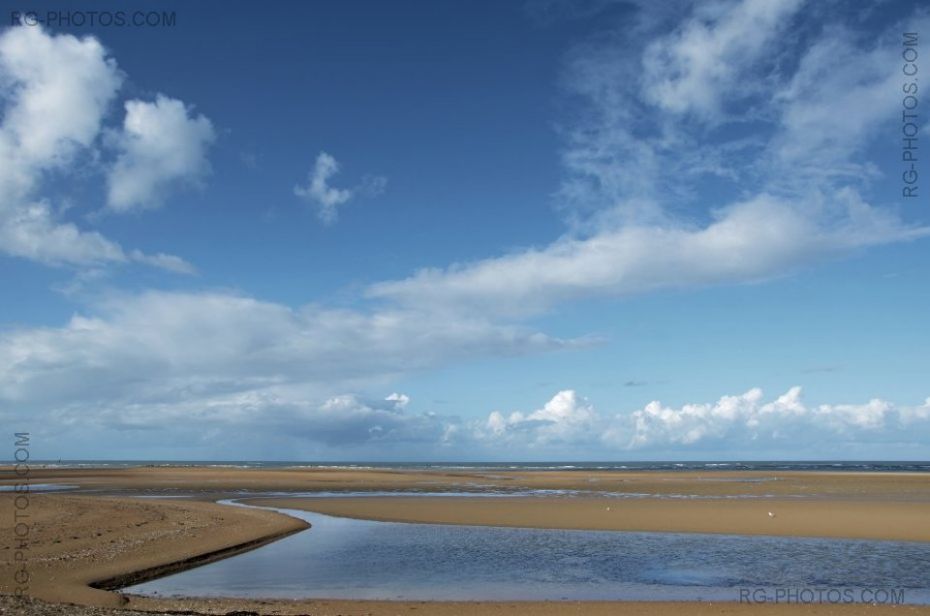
[
  {"x": 742, "y": 422},
  {"x": 565, "y": 418},
  {"x": 57, "y": 89},
  {"x": 162, "y": 144}
]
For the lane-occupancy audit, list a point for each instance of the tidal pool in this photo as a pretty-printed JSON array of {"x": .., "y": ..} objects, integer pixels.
[
  {"x": 356, "y": 559},
  {"x": 25, "y": 488}
]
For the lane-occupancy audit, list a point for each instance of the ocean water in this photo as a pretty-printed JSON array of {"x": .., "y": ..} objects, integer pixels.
[
  {"x": 818, "y": 465},
  {"x": 343, "y": 558}
]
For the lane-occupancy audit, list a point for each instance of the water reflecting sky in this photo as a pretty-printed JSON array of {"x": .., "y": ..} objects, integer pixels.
[{"x": 343, "y": 558}]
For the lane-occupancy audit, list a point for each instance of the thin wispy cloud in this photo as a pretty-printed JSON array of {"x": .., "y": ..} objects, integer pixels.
[
  {"x": 699, "y": 68},
  {"x": 654, "y": 107}
]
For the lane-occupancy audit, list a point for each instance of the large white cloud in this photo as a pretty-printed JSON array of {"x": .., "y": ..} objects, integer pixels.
[
  {"x": 162, "y": 144},
  {"x": 339, "y": 421},
  {"x": 57, "y": 91},
  {"x": 750, "y": 240},
  {"x": 178, "y": 348},
  {"x": 201, "y": 368}
]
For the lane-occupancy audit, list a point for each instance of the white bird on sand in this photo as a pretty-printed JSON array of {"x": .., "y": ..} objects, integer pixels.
[
  {"x": 771, "y": 515},
  {"x": 608, "y": 509}
]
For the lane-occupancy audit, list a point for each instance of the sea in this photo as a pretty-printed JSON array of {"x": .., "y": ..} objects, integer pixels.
[{"x": 878, "y": 466}]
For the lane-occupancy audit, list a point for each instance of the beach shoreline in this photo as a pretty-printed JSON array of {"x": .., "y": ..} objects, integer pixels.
[{"x": 84, "y": 538}]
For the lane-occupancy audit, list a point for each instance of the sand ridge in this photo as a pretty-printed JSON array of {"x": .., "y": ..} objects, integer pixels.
[
  {"x": 77, "y": 541},
  {"x": 213, "y": 480},
  {"x": 789, "y": 517}
]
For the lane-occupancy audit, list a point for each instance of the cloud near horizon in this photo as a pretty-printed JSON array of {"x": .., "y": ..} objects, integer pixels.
[
  {"x": 570, "y": 420},
  {"x": 567, "y": 427},
  {"x": 137, "y": 349}
]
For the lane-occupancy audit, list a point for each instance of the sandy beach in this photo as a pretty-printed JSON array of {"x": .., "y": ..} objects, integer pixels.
[
  {"x": 81, "y": 539},
  {"x": 792, "y": 518},
  {"x": 76, "y": 541},
  {"x": 209, "y": 481}
]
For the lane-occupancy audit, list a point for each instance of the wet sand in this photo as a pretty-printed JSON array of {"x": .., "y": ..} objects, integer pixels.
[
  {"x": 79, "y": 539},
  {"x": 76, "y": 541},
  {"x": 211, "y": 480},
  {"x": 10, "y": 605},
  {"x": 796, "y": 518}
]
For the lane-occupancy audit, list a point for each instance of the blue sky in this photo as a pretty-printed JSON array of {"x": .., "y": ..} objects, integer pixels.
[{"x": 465, "y": 230}]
